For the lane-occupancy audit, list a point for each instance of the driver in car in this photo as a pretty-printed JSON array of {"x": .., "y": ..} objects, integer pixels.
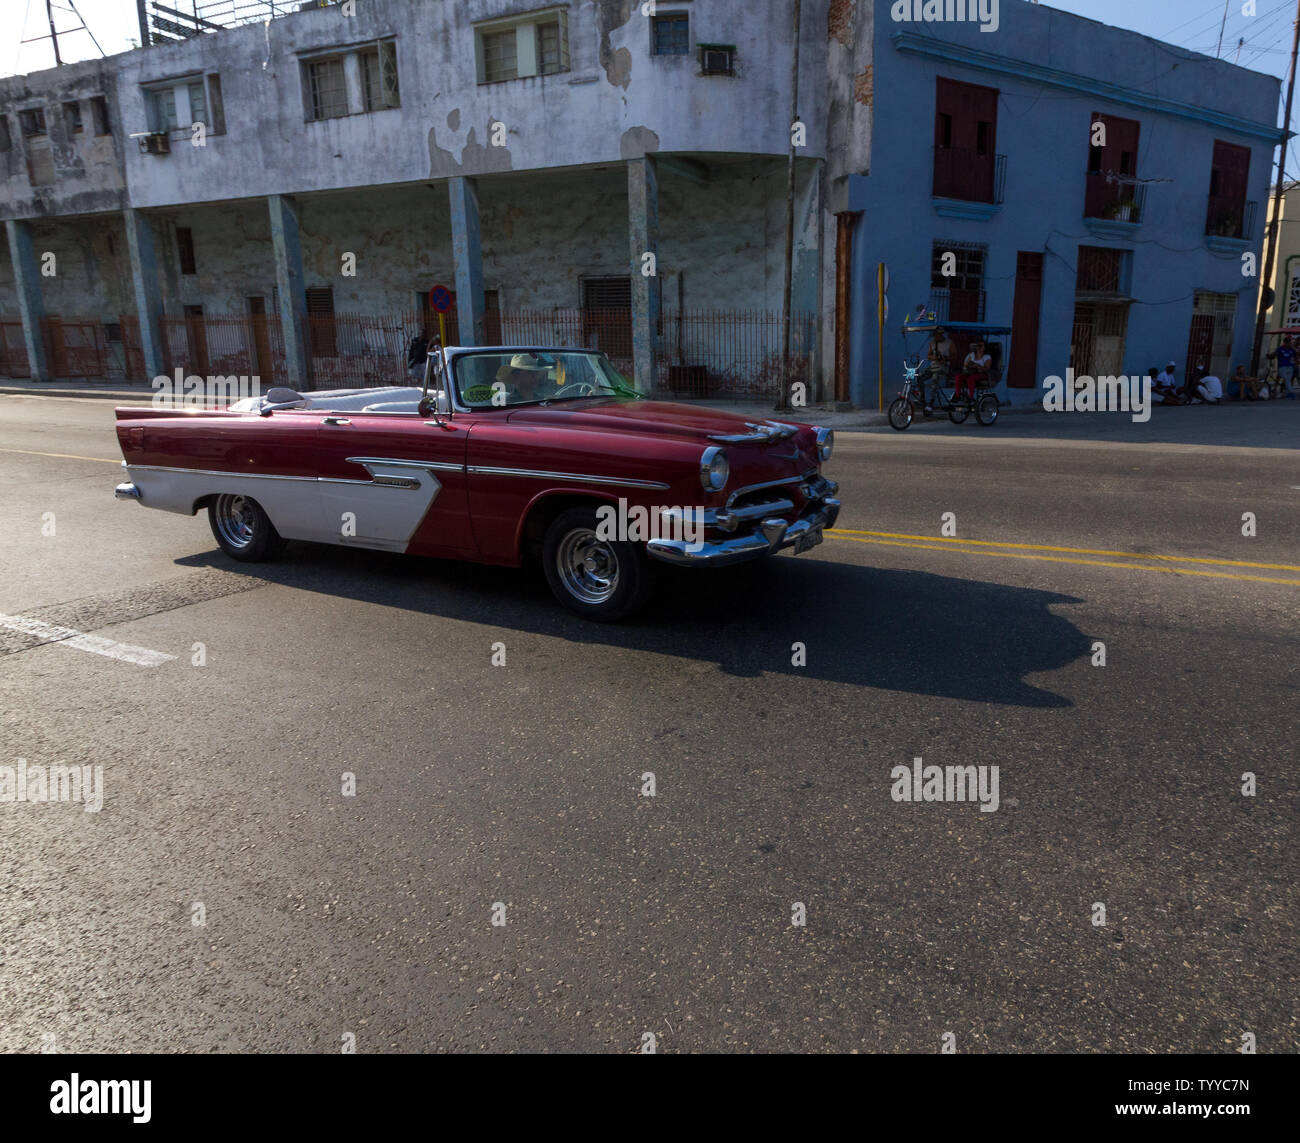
[{"x": 525, "y": 379}]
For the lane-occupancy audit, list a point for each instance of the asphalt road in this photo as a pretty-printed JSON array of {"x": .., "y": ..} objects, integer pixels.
[{"x": 371, "y": 915}]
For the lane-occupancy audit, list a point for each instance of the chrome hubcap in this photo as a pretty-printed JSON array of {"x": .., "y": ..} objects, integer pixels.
[
  {"x": 235, "y": 520},
  {"x": 588, "y": 566}
]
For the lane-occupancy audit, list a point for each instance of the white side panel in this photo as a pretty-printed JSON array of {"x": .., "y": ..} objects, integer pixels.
[
  {"x": 292, "y": 502},
  {"x": 383, "y": 515}
]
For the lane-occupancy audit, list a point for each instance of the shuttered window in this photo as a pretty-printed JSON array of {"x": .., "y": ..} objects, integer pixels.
[{"x": 320, "y": 321}]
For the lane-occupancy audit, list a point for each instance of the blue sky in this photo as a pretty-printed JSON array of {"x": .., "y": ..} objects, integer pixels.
[{"x": 1194, "y": 24}]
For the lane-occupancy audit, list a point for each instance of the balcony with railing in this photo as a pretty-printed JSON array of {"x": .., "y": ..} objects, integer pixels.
[
  {"x": 1113, "y": 205},
  {"x": 968, "y": 183},
  {"x": 1229, "y": 222}
]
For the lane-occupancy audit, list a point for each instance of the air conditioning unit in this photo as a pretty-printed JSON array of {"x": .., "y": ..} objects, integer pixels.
[
  {"x": 717, "y": 60},
  {"x": 153, "y": 142}
]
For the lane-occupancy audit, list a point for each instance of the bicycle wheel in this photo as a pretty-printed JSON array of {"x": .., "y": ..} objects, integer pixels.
[
  {"x": 900, "y": 413},
  {"x": 958, "y": 411},
  {"x": 986, "y": 409}
]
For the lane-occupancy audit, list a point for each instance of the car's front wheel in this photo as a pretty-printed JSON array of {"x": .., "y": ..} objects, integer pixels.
[
  {"x": 243, "y": 529},
  {"x": 597, "y": 578}
]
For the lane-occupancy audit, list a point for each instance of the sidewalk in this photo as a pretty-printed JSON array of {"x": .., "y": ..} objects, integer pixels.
[{"x": 127, "y": 392}]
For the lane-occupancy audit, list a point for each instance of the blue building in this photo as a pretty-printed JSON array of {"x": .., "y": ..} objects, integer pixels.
[{"x": 1101, "y": 191}]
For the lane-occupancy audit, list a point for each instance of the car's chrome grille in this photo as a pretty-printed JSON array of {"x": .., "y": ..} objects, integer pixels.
[{"x": 765, "y": 503}]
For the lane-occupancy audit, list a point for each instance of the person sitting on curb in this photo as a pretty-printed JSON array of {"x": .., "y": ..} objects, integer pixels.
[
  {"x": 1164, "y": 387},
  {"x": 1209, "y": 390},
  {"x": 1243, "y": 387}
]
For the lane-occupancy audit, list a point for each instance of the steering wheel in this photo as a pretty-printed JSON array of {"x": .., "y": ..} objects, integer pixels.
[{"x": 576, "y": 389}]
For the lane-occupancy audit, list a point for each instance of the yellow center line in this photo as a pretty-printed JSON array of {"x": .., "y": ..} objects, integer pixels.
[
  {"x": 848, "y": 533},
  {"x": 61, "y": 455},
  {"x": 932, "y": 547}
]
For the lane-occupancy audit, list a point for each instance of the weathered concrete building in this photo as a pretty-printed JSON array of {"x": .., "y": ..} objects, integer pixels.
[{"x": 540, "y": 159}]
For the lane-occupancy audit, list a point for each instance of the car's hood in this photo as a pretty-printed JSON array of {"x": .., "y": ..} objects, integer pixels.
[{"x": 658, "y": 417}]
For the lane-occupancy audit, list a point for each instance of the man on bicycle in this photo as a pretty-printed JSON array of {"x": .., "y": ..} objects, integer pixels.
[{"x": 939, "y": 354}]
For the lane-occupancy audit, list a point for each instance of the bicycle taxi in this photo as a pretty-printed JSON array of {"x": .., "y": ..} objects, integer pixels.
[{"x": 930, "y": 390}]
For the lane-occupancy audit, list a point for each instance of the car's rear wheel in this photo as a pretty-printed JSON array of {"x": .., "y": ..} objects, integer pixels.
[
  {"x": 597, "y": 578},
  {"x": 243, "y": 529}
]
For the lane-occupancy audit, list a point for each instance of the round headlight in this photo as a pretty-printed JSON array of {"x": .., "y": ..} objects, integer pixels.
[
  {"x": 714, "y": 469},
  {"x": 825, "y": 443}
]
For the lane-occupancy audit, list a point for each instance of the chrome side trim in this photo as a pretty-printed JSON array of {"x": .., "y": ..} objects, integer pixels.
[
  {"x": 427, "y": 465},
  {"x": 363, "y": 461},
  {"x": 578, "y": 477},
  {"x": 222, "y": 472}
]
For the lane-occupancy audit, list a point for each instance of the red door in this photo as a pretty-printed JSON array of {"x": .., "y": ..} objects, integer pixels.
[
  {"x": 1229, "y": 177},
  {"x": 1117, "y": 158},
  {"x": 1022, "y": 369},
  {"x": 965, "y": 139}
]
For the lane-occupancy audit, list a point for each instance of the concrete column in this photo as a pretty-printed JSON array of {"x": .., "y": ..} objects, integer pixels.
[
  {"x": 27, "y": 281},
  {"x": 148, "y": 295},
  {"x": 643, "y": 239},
  {"x": 806, "y": 279},
  {"x": 467, "y": 251},
  {"x": 287, "y": 244}
]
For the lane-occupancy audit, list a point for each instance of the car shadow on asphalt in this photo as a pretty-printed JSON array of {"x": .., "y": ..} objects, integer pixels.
[{"x": 907, "y": 631}]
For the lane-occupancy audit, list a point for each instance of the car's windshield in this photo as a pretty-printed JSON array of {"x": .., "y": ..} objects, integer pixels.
[{"x": 503, "y": 378}]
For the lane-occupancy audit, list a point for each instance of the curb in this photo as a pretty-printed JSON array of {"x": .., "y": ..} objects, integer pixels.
[{"x": 104, "y": 394}]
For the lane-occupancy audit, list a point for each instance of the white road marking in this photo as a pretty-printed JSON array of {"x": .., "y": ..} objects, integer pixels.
[{"x": 95, "y": 644}]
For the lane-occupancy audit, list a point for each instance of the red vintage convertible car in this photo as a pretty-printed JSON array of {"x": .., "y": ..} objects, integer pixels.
[{"x": 507, "y": 453}]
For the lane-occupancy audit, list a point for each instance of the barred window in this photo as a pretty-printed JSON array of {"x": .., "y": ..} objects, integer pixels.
[
  {"x": 672, "y": 35},
  {"x": 969, "y": 260},
  {"x": 524, "y": 46},
  {"x": 379, "y": 77},
  {"x": 327, "y": 89},
  {"x": 162, "y": 109},
  {"x": 198, "y": 103},
  {"x": 500, "y": 56}
]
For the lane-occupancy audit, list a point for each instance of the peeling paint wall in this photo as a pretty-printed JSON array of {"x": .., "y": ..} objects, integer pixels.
[
  {"x": 444, "y": 125},
  {"x": 87, "y": 167},
  {"x": 553, "y": 193},
  {"x": 92, "y": 271}
]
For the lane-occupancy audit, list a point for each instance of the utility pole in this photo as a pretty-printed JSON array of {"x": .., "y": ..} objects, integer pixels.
[
  {"x": 1222, "y": 22},
  {"x": 1266, "y": 284},
  {"x": 783, "y": 402},
  {"x": 54, "y": 36}
]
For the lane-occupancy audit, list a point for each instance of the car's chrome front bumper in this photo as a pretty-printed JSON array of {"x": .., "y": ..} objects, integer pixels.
[
  {"x": 127, "y": 491},
  {"x": 770, "y": 535}
]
